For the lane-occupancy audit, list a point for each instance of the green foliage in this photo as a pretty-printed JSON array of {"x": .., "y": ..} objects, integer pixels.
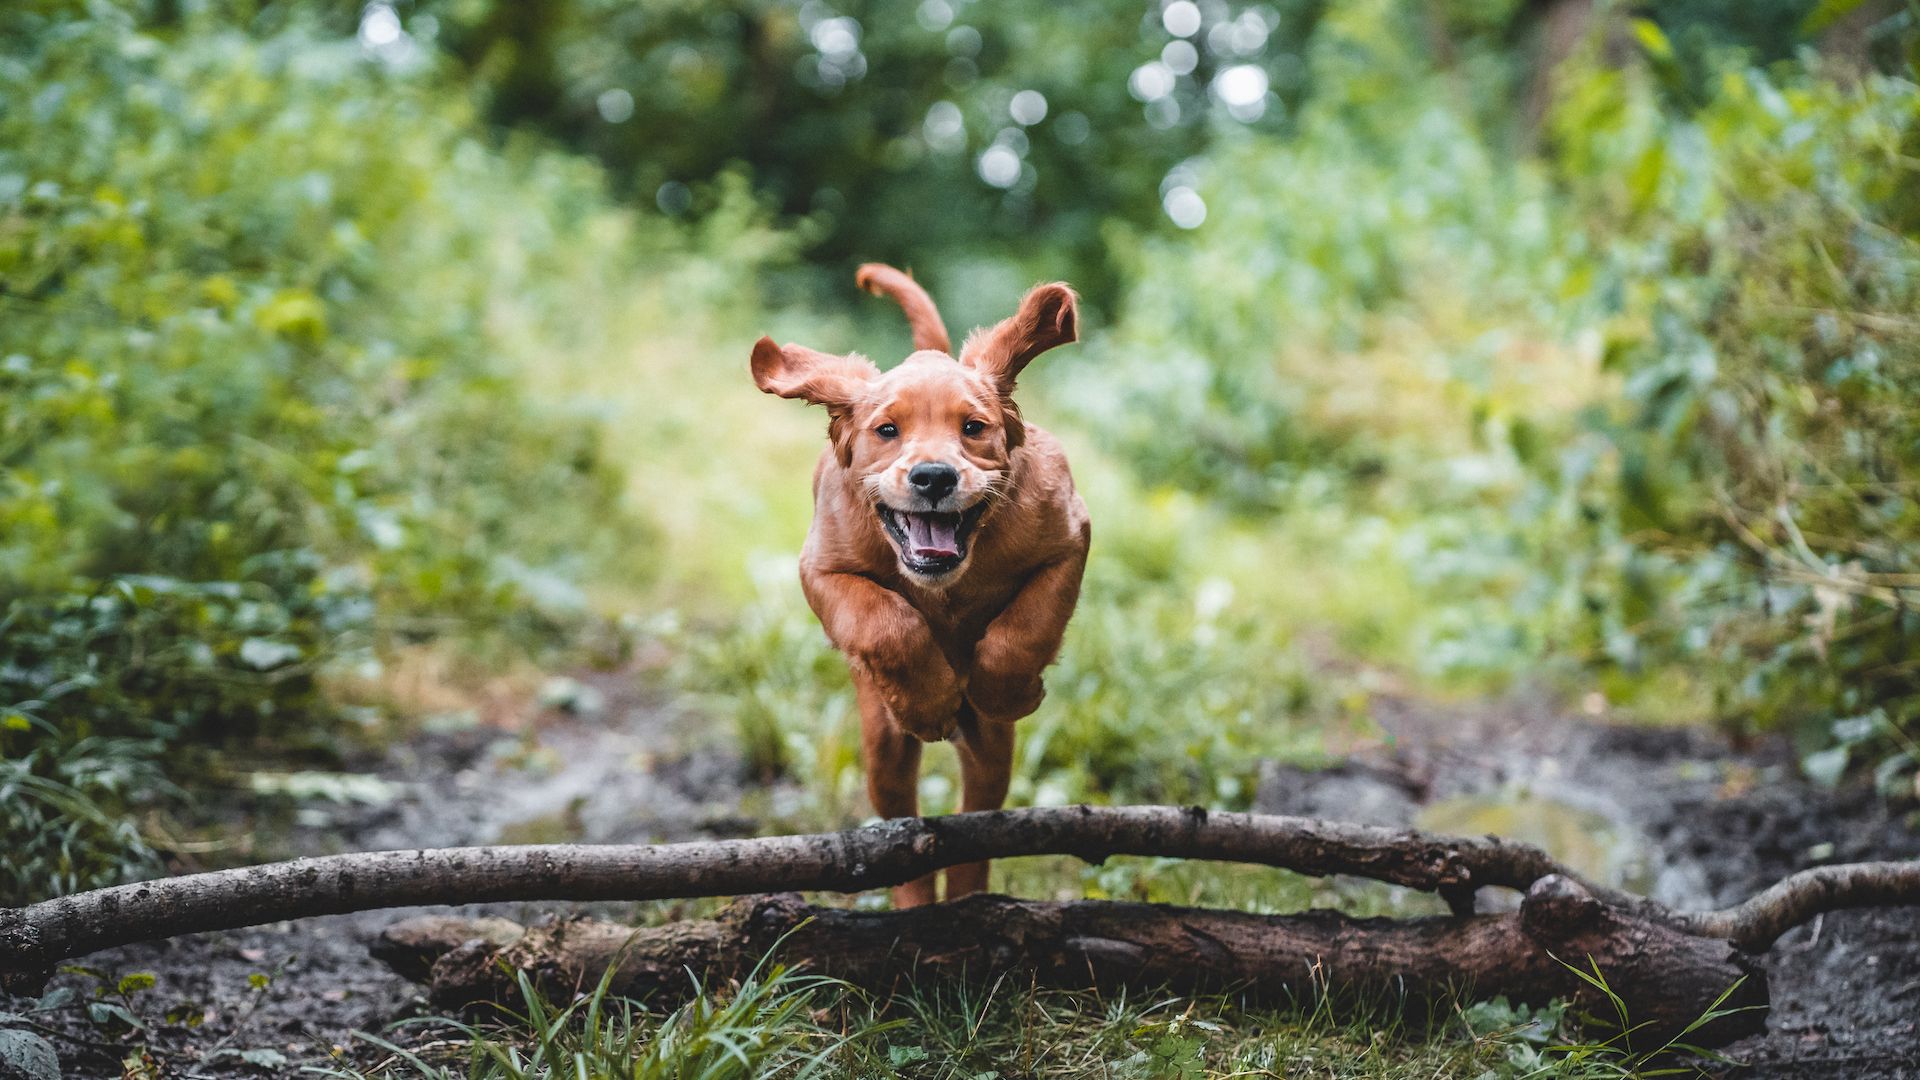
[
  {"x": 769, "y": 1027},
  {"x": 763, "y": 1027},
  {"x": 1642, "y": 402},
  {"x": 1752, "y": 503},
  {"x": 873, "y": 119},
  {"x": 258, "y": 400}
]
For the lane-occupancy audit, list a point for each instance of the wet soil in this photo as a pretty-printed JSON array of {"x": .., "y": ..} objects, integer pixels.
[
  {"x": 615, "y": 768},
  {"x": 1674, "y": 813}
]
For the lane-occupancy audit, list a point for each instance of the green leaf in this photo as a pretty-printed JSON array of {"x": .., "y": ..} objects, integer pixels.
[
  {"x": 899, "y": 1056},
  {"x": 295, "y": 314},
  {"x": 265, "y": 654},
  {"x": 135, "y": 982},
  {"x": 108, "y": 1013},
  {"x": 27, "y": 1056},
  {"x": 1652, "y": 39},
  {"x": 1825, "y": 14},
  {"x": 1826, "y": 767}
]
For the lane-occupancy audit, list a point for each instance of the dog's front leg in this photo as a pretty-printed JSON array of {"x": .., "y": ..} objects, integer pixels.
[
  {"x": 892, "y": 759},
  {"x": 889, "y": 644},
  {"x": 1003, "y": 686},
  {"x": 907, "y": 691},
  {"x": 1004, "y": 683},
  {"x": 986, "y": 770}
]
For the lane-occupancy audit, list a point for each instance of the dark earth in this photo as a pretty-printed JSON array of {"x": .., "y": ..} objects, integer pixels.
[{"x": 1678, "y": 814}]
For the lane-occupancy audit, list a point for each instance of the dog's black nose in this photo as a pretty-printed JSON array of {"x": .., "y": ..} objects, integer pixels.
[{"x": 933, "y": 481}]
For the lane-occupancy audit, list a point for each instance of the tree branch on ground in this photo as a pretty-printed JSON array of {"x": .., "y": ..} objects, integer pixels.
[{"x": 33, "y": 939}]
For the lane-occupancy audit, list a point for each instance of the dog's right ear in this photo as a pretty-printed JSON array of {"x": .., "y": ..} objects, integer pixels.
[{"x": 795, "y": 371}]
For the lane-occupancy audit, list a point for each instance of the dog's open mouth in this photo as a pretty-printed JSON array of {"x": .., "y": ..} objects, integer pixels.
[{"x": 930, "y": 543}]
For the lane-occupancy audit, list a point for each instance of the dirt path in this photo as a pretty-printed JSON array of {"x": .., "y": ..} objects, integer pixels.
[
  {"x": 617, "y": 771},
  {"x": 1676, "y": 814}
]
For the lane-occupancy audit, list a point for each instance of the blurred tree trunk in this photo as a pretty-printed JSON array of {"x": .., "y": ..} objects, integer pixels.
[
  {"x": 1847, "y": 43},
  {"x": 1558, "y": 28},
  {"x": 515, "y": 44}
]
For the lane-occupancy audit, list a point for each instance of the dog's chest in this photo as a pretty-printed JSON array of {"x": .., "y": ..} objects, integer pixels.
[{"x": 960, "y": 617}]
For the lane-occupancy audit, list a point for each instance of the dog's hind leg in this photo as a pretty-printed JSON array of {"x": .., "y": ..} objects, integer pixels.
[
  {"x": 986, "y": 768},
  {"x": 892, "y": 759}
]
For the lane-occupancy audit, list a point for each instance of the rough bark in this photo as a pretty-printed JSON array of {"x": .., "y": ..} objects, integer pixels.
[
  {"x": 889, "y": 853},
  {"x": 33, "y": 939},
  {"x": 1667, "y": 978},
  {"x": 1756, "y": 924}
]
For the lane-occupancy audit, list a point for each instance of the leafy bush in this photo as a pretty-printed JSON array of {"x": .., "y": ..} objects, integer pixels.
[
  {"x": 1753, "y": 502},
  {"x": 1643, "y": 401},
  {"x": 1377, "y": 311},
  {"x": 260, "y": 399}
]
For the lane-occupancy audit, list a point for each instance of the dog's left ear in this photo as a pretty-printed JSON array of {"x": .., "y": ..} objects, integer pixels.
[{"x": 1048, "y": 316}]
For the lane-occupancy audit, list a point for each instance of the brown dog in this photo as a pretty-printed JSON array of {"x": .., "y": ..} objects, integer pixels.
[{"x": 947, "y": 543}]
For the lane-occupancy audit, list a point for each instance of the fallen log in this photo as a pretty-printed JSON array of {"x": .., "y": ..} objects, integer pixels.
[
  {"x": 887, "y": 853},
  {"x": 1666, "y": 978},
  {"x": 33, "y": 939}
]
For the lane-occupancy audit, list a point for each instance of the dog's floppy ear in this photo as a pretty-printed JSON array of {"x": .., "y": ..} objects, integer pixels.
[
  {"x": 795, "y": 371},
  {"x": 1048, "y": 316}
]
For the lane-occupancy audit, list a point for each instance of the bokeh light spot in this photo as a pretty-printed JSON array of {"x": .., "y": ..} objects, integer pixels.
[
  {"x": 1250, "y": 32},
  {"x": 1073, "y": 128},
  {"x": 1028, "y": 107},
  {"x": 1181, "y": 18},
  {"x": 379, "y": 26},
  {"x": 1150, "y": 81},
  {"x": 1180, "y": 56},
  {"x": 615, "y": 105},
  {"x": 934, "y": 15},
  {"x": 944, "y": 128},
  {"x": 999, "y": 165},
  {"x": 1184, "y": 206},
  {"x": 963, "y": 41},
  {"x": 674, "y": 198},
  {"x": 1241, "y": 87},
  {"x": 837, "y": 38}
]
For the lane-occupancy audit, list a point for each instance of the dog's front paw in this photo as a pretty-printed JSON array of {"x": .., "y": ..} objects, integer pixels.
[
  {"x": 1004, "y": 698},
  {"x": 927, "y": 713},
  {"x": 922, "y": 698}
]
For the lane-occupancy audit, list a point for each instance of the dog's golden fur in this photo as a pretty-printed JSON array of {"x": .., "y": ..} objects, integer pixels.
[{"x": 947, "y": 609}]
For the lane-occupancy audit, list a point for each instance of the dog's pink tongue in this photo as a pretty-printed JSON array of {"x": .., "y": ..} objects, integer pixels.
[{"x": 932, "y": 536}]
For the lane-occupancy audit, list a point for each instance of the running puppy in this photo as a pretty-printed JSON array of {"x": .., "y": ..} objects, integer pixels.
[{"x": 947, "y": 543}]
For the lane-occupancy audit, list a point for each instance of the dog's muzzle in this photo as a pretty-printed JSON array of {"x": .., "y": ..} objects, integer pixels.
[{"x": 931, "y": 543}]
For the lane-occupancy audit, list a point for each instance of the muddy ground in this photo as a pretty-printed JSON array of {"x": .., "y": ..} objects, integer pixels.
[{"x": 1677, "y": 814}]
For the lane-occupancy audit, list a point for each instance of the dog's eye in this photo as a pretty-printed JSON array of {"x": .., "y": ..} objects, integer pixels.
[
  {"x": 972, "y": 428},
  {"x": 886, "y": 431}
]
